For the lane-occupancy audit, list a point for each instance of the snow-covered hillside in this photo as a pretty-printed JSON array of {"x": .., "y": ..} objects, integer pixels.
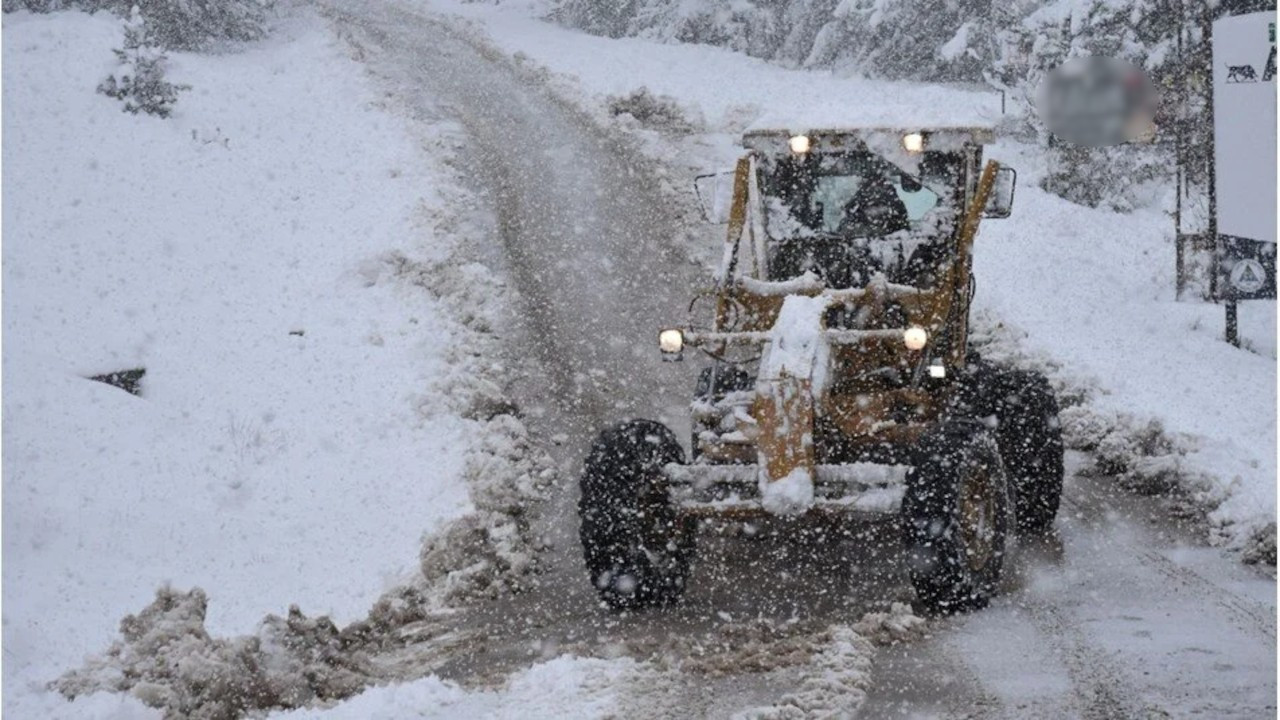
[{"x": 292, "y": 442}]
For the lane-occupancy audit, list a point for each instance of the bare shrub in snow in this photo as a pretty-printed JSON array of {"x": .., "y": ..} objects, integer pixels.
[
  {"x": 1260, "y": 547},
  {"x": 659, "y": 112},
  {"x": 140, "y": 81},
  {"x": 167, "y": 659}
]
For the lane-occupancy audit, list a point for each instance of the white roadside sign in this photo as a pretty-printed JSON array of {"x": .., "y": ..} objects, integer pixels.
[{"x": 1244, "y": 125}]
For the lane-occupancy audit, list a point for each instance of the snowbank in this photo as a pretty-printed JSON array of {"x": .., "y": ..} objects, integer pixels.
[
  {"x": 262, "y": 254},
  {"x": 1088, "y": 293}
]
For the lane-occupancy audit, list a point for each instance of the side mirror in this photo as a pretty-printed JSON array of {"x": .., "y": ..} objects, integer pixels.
[
  {"x": 715, "y": 195},
  {"x": 1000, "y": 201}
]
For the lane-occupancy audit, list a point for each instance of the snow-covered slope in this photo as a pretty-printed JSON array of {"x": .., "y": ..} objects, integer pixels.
[
  {"x": 290, "y": 444},
  {"x": 1092, "y": 292},
  {"x": 1087, "y": 291}
]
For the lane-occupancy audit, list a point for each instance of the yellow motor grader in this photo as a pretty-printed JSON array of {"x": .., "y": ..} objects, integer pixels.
[{"x": 840, "y": 380}]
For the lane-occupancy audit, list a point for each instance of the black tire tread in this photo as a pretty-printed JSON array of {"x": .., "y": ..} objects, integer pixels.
[
  {"x": 636, "y": 549},
  {"x": 1031, "y": 445},
  {"x": 942, "y": 580}
]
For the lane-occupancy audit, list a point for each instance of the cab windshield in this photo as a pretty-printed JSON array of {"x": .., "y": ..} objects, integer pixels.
[{"x": 848, "y": 215}]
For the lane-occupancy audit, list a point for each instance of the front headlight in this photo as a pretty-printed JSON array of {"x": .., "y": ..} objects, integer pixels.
[
  {"x": 799, "y": 144},
  {"x": 915, "y": 338},
  {"x": 671, "y": 342},
  {"x": 913, "y": 142}
]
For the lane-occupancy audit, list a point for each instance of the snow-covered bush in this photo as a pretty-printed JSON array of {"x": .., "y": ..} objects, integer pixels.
[
  {"x": 176, "y": 24},
  {"x": 1121, "y": 178},
  {"x": 140, "y": 81},
  {"x": 196, "y": 24}
]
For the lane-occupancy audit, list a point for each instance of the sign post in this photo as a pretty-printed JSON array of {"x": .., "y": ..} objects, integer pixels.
[{"x": 1242, "y": 219}]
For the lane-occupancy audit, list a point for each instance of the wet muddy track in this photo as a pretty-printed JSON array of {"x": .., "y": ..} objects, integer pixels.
[{"x": 586, "y": 236}]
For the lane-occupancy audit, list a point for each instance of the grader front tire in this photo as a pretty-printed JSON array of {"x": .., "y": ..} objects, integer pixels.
[
  {"x": 956, "y": 517},
  {"x": 637, "y": 549}
]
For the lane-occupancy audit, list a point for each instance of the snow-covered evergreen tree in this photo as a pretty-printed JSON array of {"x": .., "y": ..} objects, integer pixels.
[
  {"x": 176, "y": 24},
  {"x": 140, "y": 81}
]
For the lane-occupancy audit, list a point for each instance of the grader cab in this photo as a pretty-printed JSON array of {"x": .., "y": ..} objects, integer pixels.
[{"x": 840, "y": 380}]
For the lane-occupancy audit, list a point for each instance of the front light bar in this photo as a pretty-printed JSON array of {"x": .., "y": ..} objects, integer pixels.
[{"x": 673, "y": 341}]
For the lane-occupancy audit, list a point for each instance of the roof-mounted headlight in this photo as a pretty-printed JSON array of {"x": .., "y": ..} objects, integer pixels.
[
  {"x": 799, "y": 144},
  {"x": 913, "y": 142}
]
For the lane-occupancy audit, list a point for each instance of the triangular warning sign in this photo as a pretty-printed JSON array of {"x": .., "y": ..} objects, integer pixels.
[{"x": 1247, "y": 276}]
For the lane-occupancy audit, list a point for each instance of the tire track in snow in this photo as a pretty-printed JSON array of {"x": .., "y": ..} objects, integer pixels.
[
  {"x": 1122, "y": 613},
  {"x": 1248, "y": 615}
]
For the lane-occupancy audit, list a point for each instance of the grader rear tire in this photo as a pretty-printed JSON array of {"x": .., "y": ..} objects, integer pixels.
[
  {"x": 636, "y": 548},
  {"x": 1031, "y": 445},
  {"x": 956, "y": 516}
]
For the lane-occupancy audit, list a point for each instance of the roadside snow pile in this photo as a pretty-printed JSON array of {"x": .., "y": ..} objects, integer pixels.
[
  {"x": 834, "y": 685},
  {"x": 322, "y": 383},
  {"x": 734, "y": 647},
  {"x": 828, "y": 666},
  {"x": 167, "y": 660},
  {"x": 898, "y": 625},
  {"x": 836, "y": 680},
  {"x": 490, "y": 550}
]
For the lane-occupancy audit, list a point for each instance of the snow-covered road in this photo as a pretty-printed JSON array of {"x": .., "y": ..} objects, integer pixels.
[
  {"x": 1124, "y": 614},
  {"x": 582, "y": 232}
]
